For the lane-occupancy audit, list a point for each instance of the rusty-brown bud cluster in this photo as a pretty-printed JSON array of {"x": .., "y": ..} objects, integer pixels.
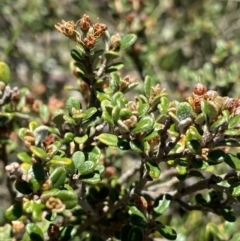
[
  {"x": 85, "y": 23},
  {"x": 89, "y": 32},
  {"x": 198, "y": 94},
  {"x": 233, "y": 105},
  {"x": 55, "y": 204},
  {"x": 67, "y": 28}
]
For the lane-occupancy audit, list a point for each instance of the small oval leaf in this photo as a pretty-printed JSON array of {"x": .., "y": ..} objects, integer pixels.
[
  {"x": 128, "y": 40},
  {"x": 108, "y": 139},
  {"x": 135, "y": 234},
  {"x": 34, "y": 232},
  {"x": 58, "y": 177}
]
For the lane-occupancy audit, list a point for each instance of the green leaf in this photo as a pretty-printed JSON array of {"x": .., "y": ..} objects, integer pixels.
[
  {"x": 193, "y": 134},
  {"x": 14, "y": 212},
  {"x": 216, "y": 156},
  {"x": 137, "y": 146},
  {"x": 102, "y": 96},
  {"x": 135, "y": 234},
  {"x": 119, "y": 99},
  {"x": 58, "y": 177},
  {"x": 232, "y": 132},
  {"x": 163, "y": 106},
  {"x": 24, "y": 157},
  {"x": 5, "y": 232},
  {"x": 227, "y": 214},
  {"x": 91, "y": 178},
  {"x": 184, "y": 110},
  {"x": 33, "y": 125},
  {"x": 37, "y": 211},
  {"x": 76, "y": 55},
  {"x": 200, "y": 200},
  {"x": 107, "y": 117},
  {"x": 108, "y": 139},
  {"x": 23, "y": 187},
  {"x": 5, "y": 73},
  {"x": 39, "y": 152},
  {"x": 200, "y": 164},
  {"x": 125, "y": 113},
  {"x": 66, "y": 162},
  {"x": 181, "y": 166},
  {"x": 68, "y": 137},
  {"x": 124, "y": 231},
  {"x": 235, "y": 121},
  {"x": 138, "y": 221},
  {"x": 166, "y": 231},
  {"x": 194, "y": 147},
  {"x": 72, "y": 103},
  {"x": 235, "y": 189},
  {"x": 142, "y": 108},
  {"x": 146, "y": 124},
  {"x": 222, "y": 121},
  {"x": 78, "y": 158},
  {"x": 127, "y": 40},
  {"x": 44, "y": 113},
  {"x": 195, "y": 173},
  {"x": 92, "y": 153},
  {"x": 35, "y": 233},
  {"x": 151, "y": 136},
  {"x": 115, "y": 114},
  {"x": 110, "y": 55},
  {"x": 86, "y": 167},
  {"x": 114, "y": 67},
  {"x": 67, "y": 233},
  {"x": 148, "y": 84},
  {"x": 5, "y": 118},
  {"x": 162, "y": 203},
  {"x": 211, "y": 232},
  {"x": 81, "y": 140},
  {"x": 209, "y": 110},
  {"x": 87, "y": 114},
  {"x": 232, "y": 161},
  {"x": 37, "y": 176},
  {"x": 153, "y": 169},
  {"x": 114, "y": 81},
  {"x": 68, "y": 197},
  {"x": 132, "y": 210},
  {"x": 49, "y": 193},
  {"x": 227, "y": 142}
]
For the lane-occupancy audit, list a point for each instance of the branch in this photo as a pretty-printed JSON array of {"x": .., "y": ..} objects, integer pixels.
[
  {"x": 126, "y": 198},
  {"x": 83, "y": 202},
  {"x": 107, "y": 210},
  {"x": 209, "y": 183},
  {"x": 190, "y": 207},
  {"x": 127, "y": 175},
  {"x": 166, "y": 174}
]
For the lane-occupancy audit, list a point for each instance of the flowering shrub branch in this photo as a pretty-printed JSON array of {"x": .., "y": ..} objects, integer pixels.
[{"x": 69, "y": 181}]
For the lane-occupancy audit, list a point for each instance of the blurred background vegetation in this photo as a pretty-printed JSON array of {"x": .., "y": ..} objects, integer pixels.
[{"x": 180, "y": 42}]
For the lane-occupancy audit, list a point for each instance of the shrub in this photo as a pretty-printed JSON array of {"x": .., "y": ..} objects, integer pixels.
[{"x": 114, "y": 167}]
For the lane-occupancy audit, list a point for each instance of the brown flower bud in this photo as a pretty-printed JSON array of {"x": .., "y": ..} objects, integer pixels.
[
  {"x": 200, "y": 89},
  {"x": 89, "y": 41},
  {"x": 55, "y": 204},
  {"x": 115, "y": 42},
  {"x": 85, "y": 23},
  {"x": 67, "y": 28},
  {"x": 99, "y": 29},
  {"x": 141, "y": 203}
]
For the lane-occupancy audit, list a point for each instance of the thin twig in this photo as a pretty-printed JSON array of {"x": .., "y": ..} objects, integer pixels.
[
  {"x": 209, "y": 183},
  {"x": 166, "y": 174},
  {"x": 127, "y": 175},
  {"x": 83, "y": 202}
]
